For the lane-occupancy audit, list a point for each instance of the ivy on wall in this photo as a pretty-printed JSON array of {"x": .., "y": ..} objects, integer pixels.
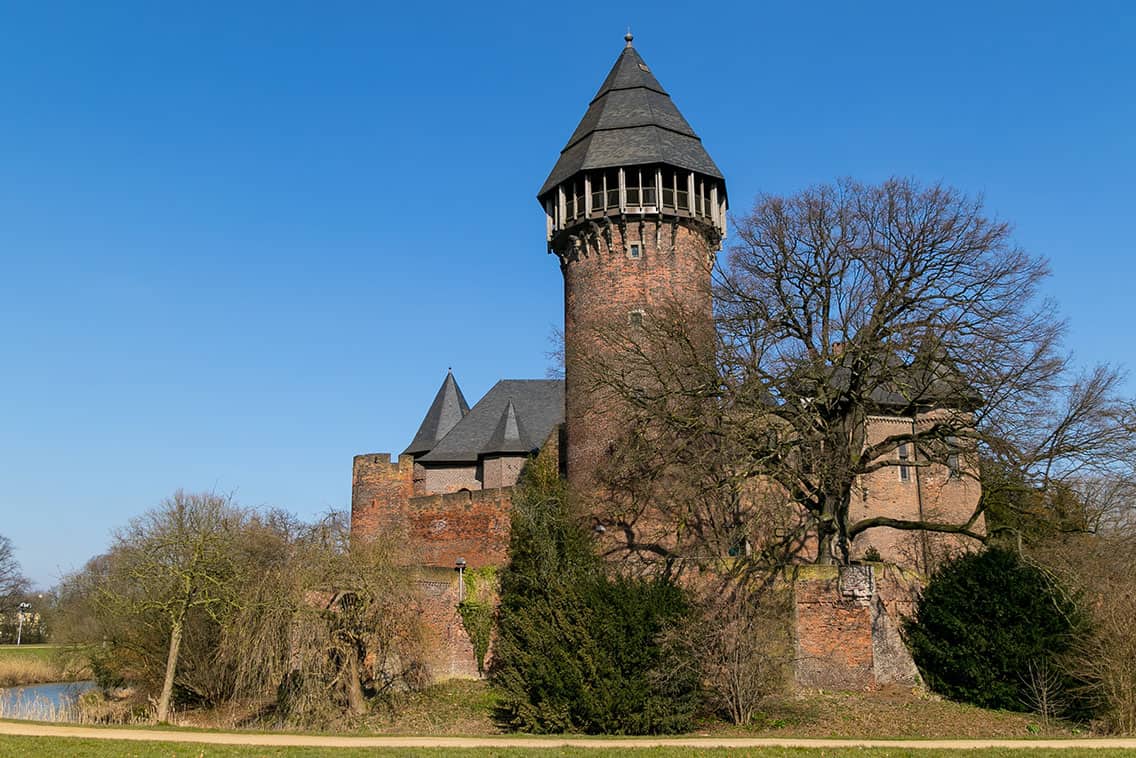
[{"x": 480, "y": 593}]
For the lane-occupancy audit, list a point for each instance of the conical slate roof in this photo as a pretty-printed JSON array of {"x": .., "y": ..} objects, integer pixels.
[
  {"x": 631, "y": 122},
  {"x": 540, "y": 402},
  {"x": 509, "y": 436},
  {"x": 449, "y": 407}
]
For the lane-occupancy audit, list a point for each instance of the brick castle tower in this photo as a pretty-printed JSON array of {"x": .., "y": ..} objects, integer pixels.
[{"x": 636, "y": 210}]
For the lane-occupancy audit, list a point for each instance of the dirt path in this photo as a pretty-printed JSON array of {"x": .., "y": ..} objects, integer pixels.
[{"x": 310, "y": 740}]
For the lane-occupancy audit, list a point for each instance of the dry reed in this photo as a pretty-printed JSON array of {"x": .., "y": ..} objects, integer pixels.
[{"x": 15, "y": 672}]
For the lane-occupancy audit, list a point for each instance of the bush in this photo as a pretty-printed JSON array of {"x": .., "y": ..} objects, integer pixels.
[
  {"x": 577, "y": 649},
  {"x": 985, "y": 625}
]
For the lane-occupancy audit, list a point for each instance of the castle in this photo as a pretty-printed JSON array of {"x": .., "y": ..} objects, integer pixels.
[{"x": 635, "y": 212}]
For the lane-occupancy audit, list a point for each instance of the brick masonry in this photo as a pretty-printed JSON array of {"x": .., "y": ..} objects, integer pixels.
[
  {"x": 930, "y": 492},
  {"x": 450, "y": 649},
  {"x": 847, "y": 626},
  {"x": 603, "y": 287}
]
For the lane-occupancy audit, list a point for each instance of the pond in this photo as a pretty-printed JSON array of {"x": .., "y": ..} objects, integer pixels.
[{"x": 54, "y": 701}]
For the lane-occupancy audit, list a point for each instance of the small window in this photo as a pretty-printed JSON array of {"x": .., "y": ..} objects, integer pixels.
[
  {"x": 953, "y": 469},
  {"x": 904, "y": 471},
  {"x": 635, "y": 250},
  {"x": 635, "y": 318}
]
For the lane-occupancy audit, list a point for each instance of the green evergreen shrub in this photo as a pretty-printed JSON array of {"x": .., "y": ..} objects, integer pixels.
[
  {"x": 986, "y": 623},
  {"x": 578, "y": 650}
]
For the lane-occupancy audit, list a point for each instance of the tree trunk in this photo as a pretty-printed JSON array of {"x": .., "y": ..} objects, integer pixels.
[
  {"x": 171, "y": 670},
  {"x": 355, "y": 702}
]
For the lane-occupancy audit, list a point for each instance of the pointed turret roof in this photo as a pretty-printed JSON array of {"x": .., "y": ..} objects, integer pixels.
[
  {"x": 449, "y": 407},
  {"x": 631, "y": 121},
  {"x": 540, "y": 402},
  {"x": 509, "y": 436}
]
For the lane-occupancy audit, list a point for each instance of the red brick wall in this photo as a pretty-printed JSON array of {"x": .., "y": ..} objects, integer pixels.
[
  {"x": 470, "y": 525},
  {"x": 929, "y": 493},
  {"x": 834, "y": 633},
  {"x": 441, "y": 528},
  {"x": 602, "y": 286},
  {"x": 378, "y": 489},
  {"x": 450, "y": 653},
  {"x": 847, "y": 622}
]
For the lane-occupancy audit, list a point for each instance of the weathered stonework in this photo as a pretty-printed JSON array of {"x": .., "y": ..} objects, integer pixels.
[
  {"x": 450, "y": 649},
  {"x": 847, "y": 634}
]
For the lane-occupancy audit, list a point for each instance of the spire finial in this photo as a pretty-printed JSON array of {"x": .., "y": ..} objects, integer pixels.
[{"x": 629, "y": 36}]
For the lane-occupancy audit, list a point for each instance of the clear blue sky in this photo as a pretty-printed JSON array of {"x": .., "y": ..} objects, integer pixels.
[{"x": 242, "y": 242}]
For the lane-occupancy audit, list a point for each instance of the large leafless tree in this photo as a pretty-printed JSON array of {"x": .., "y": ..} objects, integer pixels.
[{"x": 836, "y": 304}]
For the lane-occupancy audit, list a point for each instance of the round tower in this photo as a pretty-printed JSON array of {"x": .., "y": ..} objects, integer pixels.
[{"x": 636, "y": 210}]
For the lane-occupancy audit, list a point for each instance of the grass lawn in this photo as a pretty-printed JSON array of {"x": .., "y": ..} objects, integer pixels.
[
  {"x": 50, "y": 747},
  {"x": 28, "y": 652},
  {"x": 465, "y": 708}
]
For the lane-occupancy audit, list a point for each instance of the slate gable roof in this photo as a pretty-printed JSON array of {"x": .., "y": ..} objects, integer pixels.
[
  {"x": 631, "y": 121},
  {"x": 449, "y": 408},
  {"x": 538, "y": 407}
]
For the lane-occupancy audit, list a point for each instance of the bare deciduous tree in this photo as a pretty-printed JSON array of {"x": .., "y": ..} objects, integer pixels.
[
  {"x": 170, "y": 563},
  {"x": 739, "y": 643},
  {"x": 1101, "y": 569},
  {"x": 326, "y": 623},
  {"x": 12, "y": 581},
  {"x": 838, "y": 304}
]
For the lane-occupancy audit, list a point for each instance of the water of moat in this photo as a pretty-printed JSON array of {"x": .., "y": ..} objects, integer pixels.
[{"x": 54, "y": 701}]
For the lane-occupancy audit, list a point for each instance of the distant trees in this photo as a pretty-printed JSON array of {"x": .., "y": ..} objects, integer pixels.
[
  {"x": 1067, "y": 467},
  {"x": 839, "y": 303},
  {"x": 14, "y": 590},
  {"x": 199, "y": 601},
  {"x": 13, "y": 583}
]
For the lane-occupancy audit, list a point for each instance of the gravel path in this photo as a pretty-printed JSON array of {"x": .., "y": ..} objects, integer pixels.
[{"x": 312, "y": 740}]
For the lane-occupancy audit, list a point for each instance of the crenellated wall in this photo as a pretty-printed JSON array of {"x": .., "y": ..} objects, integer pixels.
[
  {"x": 380, "y": 489},
  {"x": 473, "y": 525},
  {"x": 470, "y": 525}
]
